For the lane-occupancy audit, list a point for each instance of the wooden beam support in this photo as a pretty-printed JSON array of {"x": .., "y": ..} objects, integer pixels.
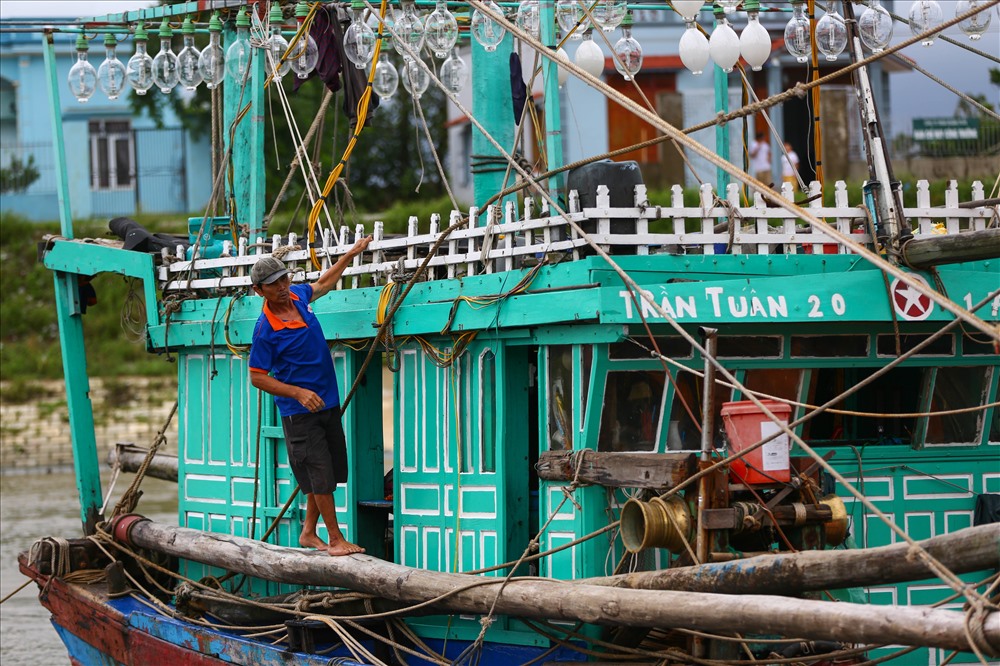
[
  {"x": 618, "y": 470},
  {"x": 928, "y": 251}
]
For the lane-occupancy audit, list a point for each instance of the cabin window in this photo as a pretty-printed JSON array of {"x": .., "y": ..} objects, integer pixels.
[
  {"x": 111, "y": 151},
  {"x": 684, "y": 433},
  {"x": 636, "y": 348},
  {"x": 487, "y": 413},
  {"x": 749, "y": 346},
  {"x": 560, "y": 396},
  {"x": 897, "y": 391},
  {"x": 774, "y": 383},
  {"x": 974, "y": 347},
  {"x": 942, "y": 346},
  {"x": 958, "y": 388},
  {"x": 829, "y": 346},
  {"x": 632, "y": 411}
]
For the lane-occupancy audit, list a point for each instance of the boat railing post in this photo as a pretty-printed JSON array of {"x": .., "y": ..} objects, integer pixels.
[
  {"x": 435, "y": 230},
  {"x": 951, "y": 203},
  {"x": 453, "y": 219},
  {"x": 470, "y": 267},
  {"x": 707, "y": 221},
  {"x": 510, "y": 215},
  {"x": 378, "y": 255},
  {"x": 86, "y": 465},
  {"x": 641, "y": 202}
]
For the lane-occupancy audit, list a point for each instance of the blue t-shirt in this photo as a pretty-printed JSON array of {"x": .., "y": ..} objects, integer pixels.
[{"x": 295, "y": 353}]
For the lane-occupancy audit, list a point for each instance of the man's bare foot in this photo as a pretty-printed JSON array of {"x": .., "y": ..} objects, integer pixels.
[
  {"x": 312, "y": 541},
  {"x": 344, "y": 548}
]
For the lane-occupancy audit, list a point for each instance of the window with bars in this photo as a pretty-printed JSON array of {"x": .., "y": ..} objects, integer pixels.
[{"x": 112, "y": 165}]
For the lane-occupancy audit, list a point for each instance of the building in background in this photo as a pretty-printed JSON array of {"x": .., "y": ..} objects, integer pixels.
[{"x": 118, "y": 163}]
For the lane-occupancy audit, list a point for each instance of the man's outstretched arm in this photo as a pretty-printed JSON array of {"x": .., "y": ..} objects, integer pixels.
[{"x": 327, "y": 280}]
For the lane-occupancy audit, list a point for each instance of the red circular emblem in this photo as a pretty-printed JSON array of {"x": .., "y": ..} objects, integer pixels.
[{"x": 909, "y": 303}]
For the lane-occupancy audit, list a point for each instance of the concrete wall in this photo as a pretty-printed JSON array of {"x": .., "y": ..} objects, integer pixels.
[{"x": 35, "y": 435}]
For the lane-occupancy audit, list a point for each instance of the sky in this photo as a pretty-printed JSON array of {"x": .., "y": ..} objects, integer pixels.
[{"x": 913, "y": 95}]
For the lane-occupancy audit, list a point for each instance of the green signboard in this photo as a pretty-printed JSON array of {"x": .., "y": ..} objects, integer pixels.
[{"x": 945, "y": 129}]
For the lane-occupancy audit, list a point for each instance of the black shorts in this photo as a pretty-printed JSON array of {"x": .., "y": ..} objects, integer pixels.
[{"x": 317, "y": 450}]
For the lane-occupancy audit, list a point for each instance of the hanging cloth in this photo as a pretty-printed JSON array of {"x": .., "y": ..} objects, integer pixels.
[{"x": 518, "y": 91}]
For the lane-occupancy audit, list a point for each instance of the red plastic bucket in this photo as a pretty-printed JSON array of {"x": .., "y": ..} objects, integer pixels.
[{"x": 745, "y": 426}]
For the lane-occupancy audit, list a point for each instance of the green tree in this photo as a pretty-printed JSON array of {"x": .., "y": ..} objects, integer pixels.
[{"x": 18, "y": 175}]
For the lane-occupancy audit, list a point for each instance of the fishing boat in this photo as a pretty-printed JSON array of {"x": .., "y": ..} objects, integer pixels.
[{"x": 755, "y": 428}]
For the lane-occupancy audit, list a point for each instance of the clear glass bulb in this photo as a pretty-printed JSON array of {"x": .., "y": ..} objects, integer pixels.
[
  {"x": 628, "y": 55},
  {"x": 82, "y": 77},
  {"x": 187, "y": 64},
  {"x": 724, "y": 46},
  {"x": 139, "y": 70},
  {"x": 276, "y": 46},
  {"x": 729, "y": 6},
  {"x": 111, "y": 73},
  {"x": 875, "y": 26},
  {"x": 485, "y": 30},
  {"x": 755, "y": 43},
  {"x": 415, "y": 78},
  {"x": 693, "y": 49},
  {"x": 386, "y": 77},
  {"x": 797, "y": 39},
  {"x": 409, "y": 31},
  {"x": 238, "y": 55},
  {"x": 527, "y": 18},
  {"x": 831, "y": 34},
  {"x": 589, "y": 57},
  {"x": 212, "y": 62},
  {"x": 688, "y": 9},
  {"x": 608, "y": 14},
  {"x": 977, "y": 24},
  {"x": 166, "y": 73},
  {"x": 304, "y": 56},
  {"x": 454, "y": 72},
  {"x": 359, "y": 40},
  {"x": 441, "y": 30},
  {"x": 925, "y": 15},
  {"x": 568, "y": 12}
]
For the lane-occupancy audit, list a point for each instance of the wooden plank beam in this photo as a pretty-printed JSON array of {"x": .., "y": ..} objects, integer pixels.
[{"x": 617, "y": 470}]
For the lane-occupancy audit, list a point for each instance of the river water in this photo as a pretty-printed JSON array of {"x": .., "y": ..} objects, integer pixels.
[{"x": 39, "y": 505}]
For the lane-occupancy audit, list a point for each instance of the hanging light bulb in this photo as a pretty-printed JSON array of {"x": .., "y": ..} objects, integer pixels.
[
  {"x": 925, "y": 15},
  {"x": 277, "y": 45},
  {"x": 527, "y": 18},
  {"x": 165, "y": 71},
  {"x": 359, "y": 39},
  {"x": 628, "y": 51},
  {"x": 724, "y": 45},
  {"x": 797, "y": 39},
  {"x": 562, "y": 74},
  {"x": 589, "y": 56},
  {"x": 831, "y": 34},
  {"x": 239, "y": 52},
  {"x": 187, "y": 60},
  {"x": 688, "y": 9},
  {"x": 111, "y": 73},
  {"x": 409, "y": 31},
  {"x": 608, "y": 14},
  {"x": 485, "y": 30},
  {"x": 386, "y": 77},
  {"x": 728, "y": 6},
  {"x": 82, "y": 75},
  {"x": 305, "y": 53},
  {"x": 875, "y": 26},
  {"x": 212, "y": 61},
  {"x": 139, "y": 70},
  {"x": 441, "y": 30},
  {"x": 755, "y": 43},
  {"x": 693, "y": 49},
  {"x": 568, "y": 13},
  {"x": 415, "y": 77},
  {"x": 975, "y": 25},
  {"x": 454, "y": 72}
]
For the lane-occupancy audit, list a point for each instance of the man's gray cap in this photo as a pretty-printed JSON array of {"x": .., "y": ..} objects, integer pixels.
[{"x": 267, "y": 270}]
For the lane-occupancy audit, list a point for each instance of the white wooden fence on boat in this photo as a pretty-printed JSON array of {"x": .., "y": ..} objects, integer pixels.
[{"x": 714, "y": 227}]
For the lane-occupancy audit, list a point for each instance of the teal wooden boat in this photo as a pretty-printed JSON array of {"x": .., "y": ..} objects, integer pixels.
[{"x": 622, "y": 429}]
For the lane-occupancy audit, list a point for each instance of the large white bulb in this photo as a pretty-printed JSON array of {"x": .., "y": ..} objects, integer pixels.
[
  {"x": 755, "y": 44},
  {"x": 688, "y": 9},
  {"x": 724, "y": 46},
  {"x": 562, "y": 74},
  {"x": 693, "y": 49},
  {"x": 589, "y": 57}
]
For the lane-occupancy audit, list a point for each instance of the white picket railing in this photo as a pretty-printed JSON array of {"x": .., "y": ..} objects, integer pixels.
[{"x": 514, "y": 241}]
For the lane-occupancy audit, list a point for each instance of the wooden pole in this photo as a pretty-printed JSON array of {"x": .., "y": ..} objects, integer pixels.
[
  {"x": 971, "y": 549},
  {"x": 130, "y": 457},
  {"x": 561, "y": 600},
  {"x": 930, "y": 251}
]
